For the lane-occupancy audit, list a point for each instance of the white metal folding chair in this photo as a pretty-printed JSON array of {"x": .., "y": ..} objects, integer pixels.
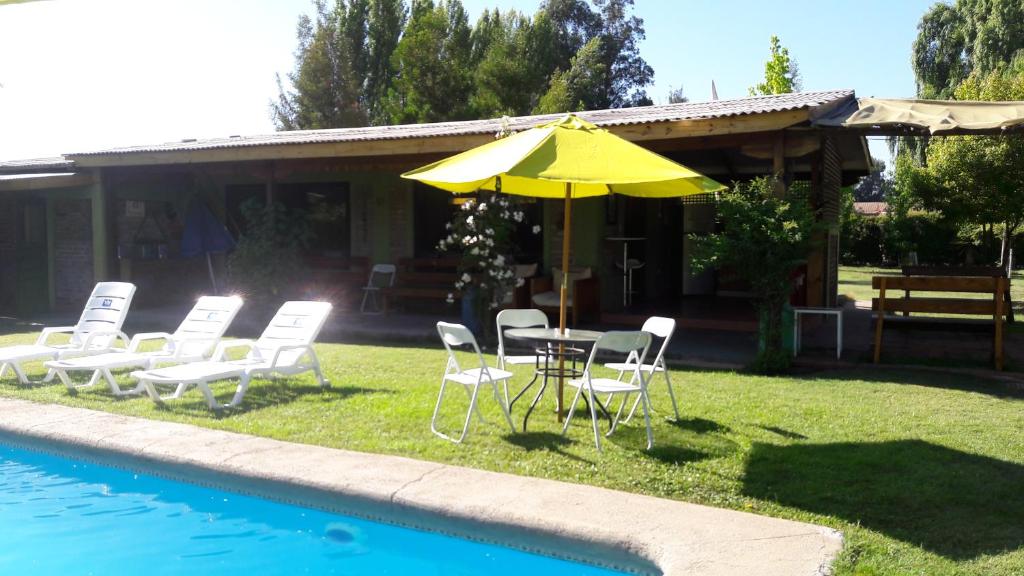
[
  {"x": 457, "y": 335},
  {"x": 194, "y": 340},
  {"x": 381, "y": 276},
  {"x": 658, "y": 327},
  {"x": 635, "y": 345},
  {"x": 518, "y": 318},
  {"x": 97, "y": 331}
]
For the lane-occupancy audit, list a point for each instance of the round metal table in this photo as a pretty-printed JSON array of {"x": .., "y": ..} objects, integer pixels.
[{"x": 553, "y": 347}]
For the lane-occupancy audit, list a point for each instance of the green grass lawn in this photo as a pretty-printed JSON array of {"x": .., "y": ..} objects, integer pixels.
[
  {"x": 923, "y": 472},
  {"x": 855, "y": 284}
]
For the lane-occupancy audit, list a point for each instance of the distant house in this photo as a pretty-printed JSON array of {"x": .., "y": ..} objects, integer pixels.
[
  {"x": 66, "y": 222},
  {"x": 871, "y": 209}
]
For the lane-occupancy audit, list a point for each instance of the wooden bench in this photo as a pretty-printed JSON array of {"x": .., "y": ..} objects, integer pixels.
[
  {"x": 423, "y": 279},
  {"x": 338, "y": 279},
  {"x": 992, "y": 271},
  {"x": 997, "y": 307}
]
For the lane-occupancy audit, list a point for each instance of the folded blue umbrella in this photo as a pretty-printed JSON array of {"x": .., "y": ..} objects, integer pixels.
[{"x": 204, "y": 234}]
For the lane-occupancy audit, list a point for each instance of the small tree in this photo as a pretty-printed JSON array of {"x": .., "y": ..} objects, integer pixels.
[
  {"x": 268, "y": 258},
  {"x": 764, "y": 238},
  {"x": 781, "y": 73}
]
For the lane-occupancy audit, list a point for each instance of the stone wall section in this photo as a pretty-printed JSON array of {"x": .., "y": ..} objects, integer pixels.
[{"x": 73, "y": 266}]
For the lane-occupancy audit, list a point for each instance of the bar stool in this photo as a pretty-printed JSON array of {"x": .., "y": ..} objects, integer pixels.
[{"x": 628, "y": 267}]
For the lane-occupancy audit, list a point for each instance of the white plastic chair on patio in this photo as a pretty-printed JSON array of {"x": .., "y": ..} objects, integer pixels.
[
  {"x": 659, "y": 327},
  {"x": 96, "y": 332},
  {"x": 285, "y": 347},
  {"x": 381, "y": 276},
  {"x": 518, "y": 318},
  {"x": 194, "y": 340},
  {"x": 473, "y": 378},
  {"x": 635, "y": 344}
]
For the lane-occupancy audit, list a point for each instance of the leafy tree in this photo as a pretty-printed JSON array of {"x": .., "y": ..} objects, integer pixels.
[
  {"x": 433, "y": 79},
  {"x": 268, "y": 257},
  {"x": 513, "y": 61},
  {"x": 579, "y": 88},
  {"x": 781, "y": 73},
  {"x": 675, "y": 95},
  {"x": 626, "y": 72},
  {"x": 326, "y": 87},
  {"x": 764, "y": 238},
  {"x": 979, "y": 179},
  {"x": 969, "y": 36},
  {"x": 386, "y": 21},
  {"x": 875, "y": 186}
]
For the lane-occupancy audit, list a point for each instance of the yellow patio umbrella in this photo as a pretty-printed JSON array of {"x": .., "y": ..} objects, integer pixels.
[{"x": 567, "y": 158}]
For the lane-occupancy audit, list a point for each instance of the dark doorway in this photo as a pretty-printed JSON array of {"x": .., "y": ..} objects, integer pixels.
[
  {"x": 32, "y": 292},
  {"x": 432, "y": 210}
]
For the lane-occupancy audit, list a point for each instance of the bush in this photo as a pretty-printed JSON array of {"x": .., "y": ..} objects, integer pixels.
[{"x": 267, "y": 264}]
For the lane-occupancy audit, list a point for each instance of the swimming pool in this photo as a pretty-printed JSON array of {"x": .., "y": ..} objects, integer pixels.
[{"x": 66, "y": 516}]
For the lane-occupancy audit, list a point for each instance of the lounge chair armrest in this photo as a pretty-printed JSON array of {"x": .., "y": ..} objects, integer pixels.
[
  {"x": 182, "y": 343},
  {"x": 218, "y": 354},
  {"x": 285, "y": 348},
  {"x": 47, "y": 332},
  {"x": 139, "y": 338},
  {"x": 114, "y": 335}
]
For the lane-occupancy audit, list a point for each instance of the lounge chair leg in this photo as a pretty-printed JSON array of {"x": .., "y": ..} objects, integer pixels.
[
  {"x": 151, "y": 390},
  {"x": 22, "y": 378},
  {"x": 3, "y": 369},
  {"x": 49, "y": 376},
  {"x": 243, "y": 385},
  {"x": 324, "y": 383},
  {"x": 113, "y": 383}
]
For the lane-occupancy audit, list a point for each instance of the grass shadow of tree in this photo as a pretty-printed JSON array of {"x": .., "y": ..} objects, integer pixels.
[
  {"x": 958, "y": 505},
  {"x": 930, "y": 378}
]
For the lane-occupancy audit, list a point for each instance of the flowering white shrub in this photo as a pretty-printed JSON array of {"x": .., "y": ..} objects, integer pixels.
[{"x": 482, "y": 232}]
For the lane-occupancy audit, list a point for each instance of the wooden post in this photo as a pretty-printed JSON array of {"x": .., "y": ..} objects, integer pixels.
[
  {"x": 879, "y": 320},
  {"x": 998, "y": 344},
  {"x": 564, "y": 293}
]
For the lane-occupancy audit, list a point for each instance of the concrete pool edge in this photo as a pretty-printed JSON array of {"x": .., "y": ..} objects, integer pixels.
[{"x": 615, "y": 529}]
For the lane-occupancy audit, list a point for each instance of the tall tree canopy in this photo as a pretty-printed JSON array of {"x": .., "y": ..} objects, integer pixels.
[
  {"x": 968, "y": 36},
  {"x": 781, "y": 73},
  {"x": 379, "y": 62},
  {"x": 979, "y": 179}
]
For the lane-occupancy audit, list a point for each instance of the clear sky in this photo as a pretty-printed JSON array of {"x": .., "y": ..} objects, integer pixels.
[{"x": 80, "y": 75}]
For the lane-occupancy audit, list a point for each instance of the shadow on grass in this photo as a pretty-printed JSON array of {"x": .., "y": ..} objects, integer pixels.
[
  {"x": 926, "y": 376},
  {"x": 676, "y": 443},
  {"x": 958, "y": 505},
  {"x": 699, "y": 425},
  {"x": 783, "y": 432},
  {"x": 548, "y": 441},
  {"x": 262, "y": 395}
]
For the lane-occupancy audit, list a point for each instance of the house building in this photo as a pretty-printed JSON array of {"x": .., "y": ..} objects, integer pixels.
[{"x": 69, "y": 221}]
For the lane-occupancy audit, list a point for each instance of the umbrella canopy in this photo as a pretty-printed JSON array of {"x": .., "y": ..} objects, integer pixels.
[
  {"x": 204, "y": 234},
  {"x": 568, "y": 158},
  {"x": 541, "y": 161}
]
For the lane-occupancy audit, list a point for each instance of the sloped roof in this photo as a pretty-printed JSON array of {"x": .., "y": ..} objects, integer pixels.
[
  {"x": 51, "y": 164},
  {"x": 605, "y": 118}
]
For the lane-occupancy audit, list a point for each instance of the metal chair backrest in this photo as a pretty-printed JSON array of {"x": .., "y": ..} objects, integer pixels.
[
  {"x": 296, "y": 323},
  {"x": 632, "y": 343},
  {"x": 458, "y": 335},
  {"x": 382, "y": 276},
  {"x": 207, "y": 321},
  {"x": 518, "y": 318},
  {"x": 663, "y": 328},
  {"x": 104, "y": 312}
]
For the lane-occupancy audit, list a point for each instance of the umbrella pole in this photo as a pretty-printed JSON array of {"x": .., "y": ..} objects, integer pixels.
[
  {"x": 209, "y": 266},
  {"x": 564, "y": 294}
]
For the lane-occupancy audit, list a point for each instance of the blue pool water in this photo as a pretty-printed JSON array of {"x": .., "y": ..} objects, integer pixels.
[{"x": 70, "y": 517}]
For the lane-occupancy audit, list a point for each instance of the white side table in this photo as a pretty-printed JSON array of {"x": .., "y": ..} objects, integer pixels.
[{"x": 798, "y": 331}]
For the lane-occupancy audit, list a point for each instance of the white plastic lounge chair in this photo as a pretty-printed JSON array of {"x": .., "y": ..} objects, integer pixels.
[
  {"x": 97, "y": 331},
  {"x": 194, "y": 340},
  {"x": 381, "y": 276},
  {"x": 470, "y": 380},
  {"x": 285, "y": 347},
  {"x": 635, "y": 344},
  {"x": 658, "y": 327}
]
